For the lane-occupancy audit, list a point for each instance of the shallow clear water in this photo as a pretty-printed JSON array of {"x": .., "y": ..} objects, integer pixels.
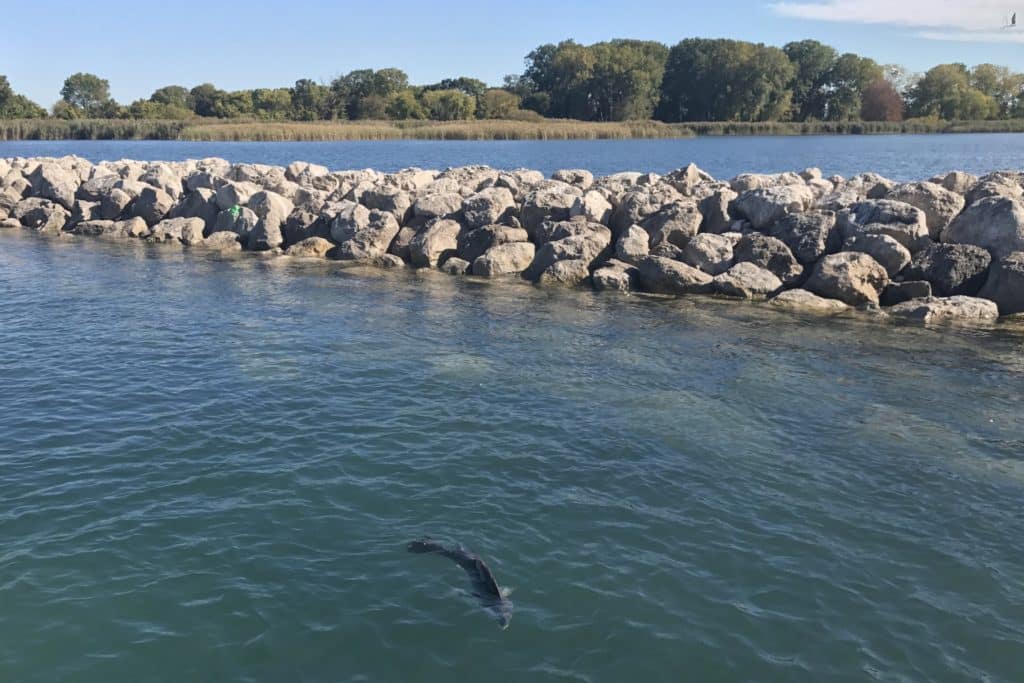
[
  {"x": 901, "y": 157},
  {"x": 209, "y": 469}
]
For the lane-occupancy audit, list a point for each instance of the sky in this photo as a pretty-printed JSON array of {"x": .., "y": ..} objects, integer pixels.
[{"x": 236, "y": 44}]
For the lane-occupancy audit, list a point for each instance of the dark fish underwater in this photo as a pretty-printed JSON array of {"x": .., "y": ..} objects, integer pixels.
[{"x": 485, "y": 587}]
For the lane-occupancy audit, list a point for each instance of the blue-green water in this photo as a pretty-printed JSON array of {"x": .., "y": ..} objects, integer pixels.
[{"x": 209, "y": 469}]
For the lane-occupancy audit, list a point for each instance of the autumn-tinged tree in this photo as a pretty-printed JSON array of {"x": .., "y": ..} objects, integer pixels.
[
  {"x": 89, "y": 94},
  {"x": 881, "y": 102}
]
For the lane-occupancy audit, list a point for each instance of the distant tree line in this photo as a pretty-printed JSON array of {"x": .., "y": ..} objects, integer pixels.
[{"x": 698, "y": 79}]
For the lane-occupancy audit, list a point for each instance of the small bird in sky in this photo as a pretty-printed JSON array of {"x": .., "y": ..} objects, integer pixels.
[{"x": 1013, "y": 21}]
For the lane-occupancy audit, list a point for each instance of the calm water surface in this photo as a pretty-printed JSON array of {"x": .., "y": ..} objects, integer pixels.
[
  {"x": 901, "y": 157},
  {"x": 208, "y": 470}
]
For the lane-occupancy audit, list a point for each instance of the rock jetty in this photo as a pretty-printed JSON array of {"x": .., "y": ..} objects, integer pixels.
[{"x": 944, "y": 250}]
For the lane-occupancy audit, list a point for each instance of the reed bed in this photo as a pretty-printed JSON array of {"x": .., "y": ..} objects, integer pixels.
[{"x": 544, "y": 129}]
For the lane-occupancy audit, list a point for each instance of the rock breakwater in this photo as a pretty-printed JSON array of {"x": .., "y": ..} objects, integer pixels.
[{"x": 943, "y": 250}]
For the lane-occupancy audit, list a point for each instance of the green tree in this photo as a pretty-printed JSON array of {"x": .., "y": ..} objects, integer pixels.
[
  {"x": 847, "y": 80},
  {"x": 272, "y": 103},
  {"x": 148, "y": 109},
  {"x": 625, "y": 79},
  {"x": 449, "y": 105},
  {"x": 404, "y": 105},
  {"x": 350, "y": 90},
  {"x": 311, "y": 101},
  {"x": 15, "y": 106},
  {"x": 234, "y": 104},
  {"x": 812, "y": 66},
  {"x": 497, "y": 104},
  {"x": 173, "y": 96},
  {"x": 945, "y": 91},
  {"x": 999, "y": 83},
  {"x": 205, "y": 99},
  {"x": 725, "y": 80},
  {"x": 88, "y": 93}
]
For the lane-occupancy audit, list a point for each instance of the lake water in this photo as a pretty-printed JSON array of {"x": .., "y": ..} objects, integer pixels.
[
  {"x": 209, "y": 469},
  {"x": 901, "y": 157}
]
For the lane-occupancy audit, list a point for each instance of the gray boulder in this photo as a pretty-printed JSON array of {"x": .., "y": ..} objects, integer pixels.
[
  {"x": 615, "y": 276},
  {"x": 765, "y": 206},
  {"x": 51, "y": 181},
  {"x": 311, "y": 247},
  {"x": 904, "y": 223},
  {"x": 438, "y": 205},
  {"x": 664, "y": 276},
  {"x": 363, "y": 234},
  {"x": 955, "y": 309},
  {"x": 551, "y": 200},
  {"x": 437, "y": 242},
  {"x": 769, "y": 253},
  {"x": 393, "y": 200},
  {"x": 808, "y": 235},
  {"x": 185, "y": 230},
  {"x": 152, "y": 205},
  {"x": 567, "y": 273},
  {"x": 588, "y": 247},
  {"x": 198, "y": 204},
  {"x": 951, "y": 269},
  {"x": 235, "y": 194},
  {"x": 640, "y": 203},
  {"x": 940, "y": 206},
  {"x": 852, "y": 277},
  {"x": 510, "y": 258},
  {"x": 474, "y": 243},
  {"x": 114, "y": 203},
  {"x": 960, "y": 182},
  {"x": 993, "y": 223},
  {"x": 455, "y": 266},
  {"x": 892, "y": 255},
  {"x": 715, "y": 210},
  {"x": 747, "y": 281},
  {"x": 709, "y": 252},
  {"x": 577, "y": 176},
  {"x": 41, "y": 215},
  {"x": 241, "y": 222},
  {"x": 802, "y": 300},
  {"x": 1005, "y": 284},
  {"x": 633, "y": 245},
  {"x": 593, "y": 207},
  {"x": 224, "y": 240},
  {"x": 487, "y": 207},
  {"x": 674, "y": 223}
]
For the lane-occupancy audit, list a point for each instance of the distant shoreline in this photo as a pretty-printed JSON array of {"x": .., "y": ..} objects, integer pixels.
[{"x": 548, "y": 129}]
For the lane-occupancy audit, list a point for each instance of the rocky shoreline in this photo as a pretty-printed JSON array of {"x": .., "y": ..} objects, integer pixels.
[{"x": 949, "y": 249}]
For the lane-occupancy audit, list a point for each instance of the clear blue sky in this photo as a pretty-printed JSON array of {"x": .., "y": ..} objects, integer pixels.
[{"x": 140, "y": 46}]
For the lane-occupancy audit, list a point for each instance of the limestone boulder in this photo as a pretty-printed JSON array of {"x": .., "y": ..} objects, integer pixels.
[
  {"x": 455, "y": 266},
  {"x": 510, "y": 258},
  {"x": 904, "y": 223},
  {"x": 892, "y": 255},
  {"x": 769, "y": 253},
  {"x": 715, "y": 211},
  {"x": 235, "y": 193},
  {"x": 551, "y": 200},
  {"x": 200, "y": 203},
  {"x": 152, "y": 205},
  {"x": 41, "y": 215},
  {"x": 1001, "y": 184},
  {"x": 633, "y": 245},
  {"x": 395, "y": 201},
  {"x": 801, "y": 300},
  {"x": 960, "y": 182},
  {"x": 593, "y": 206},
  {"x": 579, "y": 177},
  {"x": 591, "y": 247},
  {"x": 240, "y": 221},
  {"x": 644, "y": 201},
  {"x": 434, "y": 244},
  {"x": 747, "y": 281},
  {"x": 709, "y": 252},
  {"x": 851, "y": 277},
  {"x": 475, "y": 243},
  {"x": 363, "y": 234},
  {"x": 224, "y": 240},
  {"x": 53, "y": 182},
  {"x": 185, "y": 230},
  {"x": 311, "y": 247},
  {"x": 614, "y": 276},
  {"x": 808, "y": 235},
  {"x": 488, "y": 207},
  {"x": 567, "y": 273},
  {"x": 940, "y": 206},
  {"x": 954, "y": 309},
  {"x": 114, "y": 203},
  {"x": 675, "y": 223},
  {"x": 438, "y": 205},
  {"x": 951, "y": 269},
  {"x": 1005, "y": 283},
  {"x": 766, "y": 206},
  {"x": 661, "y": 275},
  {"x": 993, "y": 223},
  {"x": 686, "y": 180}
]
